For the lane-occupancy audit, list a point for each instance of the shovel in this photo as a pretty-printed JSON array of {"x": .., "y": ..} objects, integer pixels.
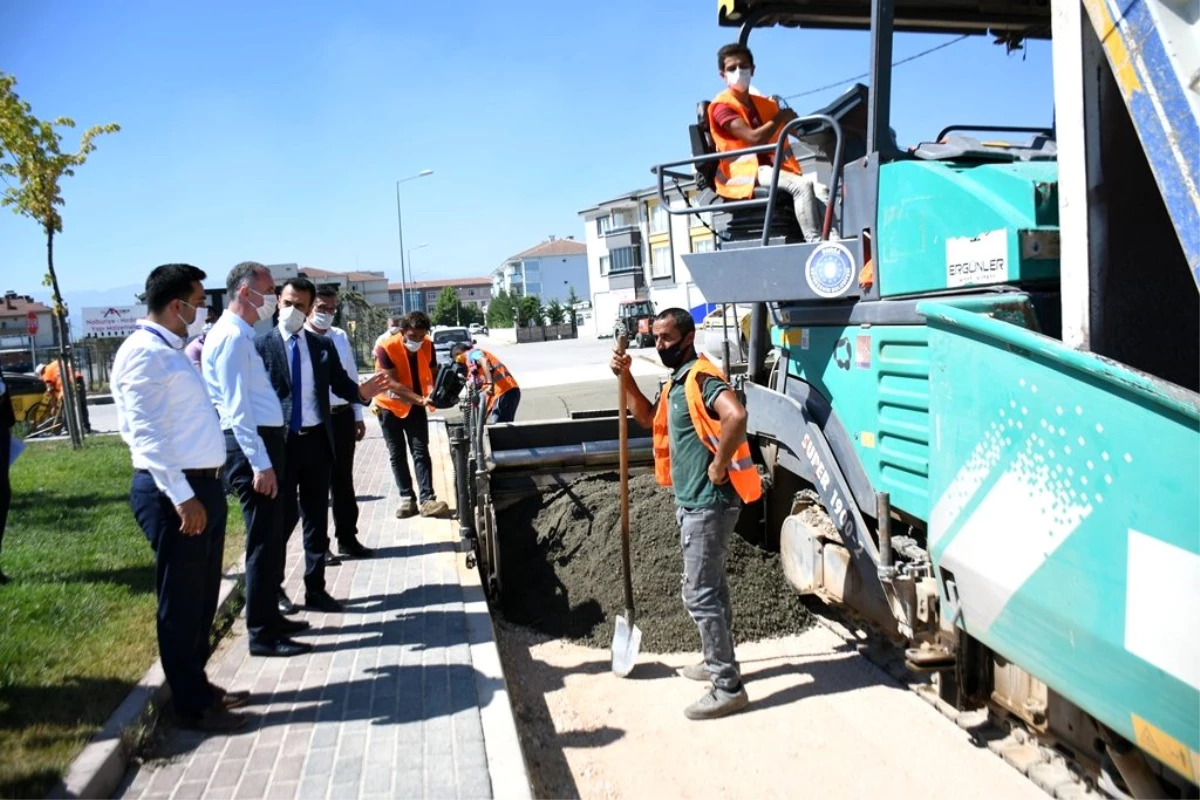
[{"x": 627, "y": 638}]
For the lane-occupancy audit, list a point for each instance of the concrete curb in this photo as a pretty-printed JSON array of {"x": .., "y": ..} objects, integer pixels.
[
  {"x": 506, "y": 761},
  {"x": 99, "y": 769}
]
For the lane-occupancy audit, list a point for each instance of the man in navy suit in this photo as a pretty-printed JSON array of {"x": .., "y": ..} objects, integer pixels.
[{"x": 303, "y": 368}]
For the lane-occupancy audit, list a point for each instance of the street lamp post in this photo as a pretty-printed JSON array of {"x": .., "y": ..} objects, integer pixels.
[
  {"x": 411, "y": 276},
  {"x": 400, "y": 227}
]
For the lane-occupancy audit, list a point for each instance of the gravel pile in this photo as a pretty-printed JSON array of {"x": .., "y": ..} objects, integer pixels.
[{"x": 561, "y": 558}]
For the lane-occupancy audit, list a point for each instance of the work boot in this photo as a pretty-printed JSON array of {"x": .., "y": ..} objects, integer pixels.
[
  {"x": 716, "y": 703},
  {"x": 408, "y": 508},
  {"x": 696, "y": 672},
  {"x": 434, "y": 508}
]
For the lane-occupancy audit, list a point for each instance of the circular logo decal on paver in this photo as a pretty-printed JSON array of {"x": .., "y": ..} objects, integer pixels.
[{"x": 829, "y": 270}]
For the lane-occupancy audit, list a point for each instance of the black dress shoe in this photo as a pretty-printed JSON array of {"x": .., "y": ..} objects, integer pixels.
[
  {"x": 228, "y": 699},
  {"x": 322, "y": 602},
  {"x": 331, "y": 560},
  {"x": 354, "y": 549},
  {"x": 286, "y": 606},
  {"x": 281, "y": 648},
  {"x": 216, "y": 719},
  {"x": 293, "y": 626}
]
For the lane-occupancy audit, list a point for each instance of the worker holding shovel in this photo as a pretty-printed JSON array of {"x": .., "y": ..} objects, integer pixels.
[{"x": 700, "y": 449}]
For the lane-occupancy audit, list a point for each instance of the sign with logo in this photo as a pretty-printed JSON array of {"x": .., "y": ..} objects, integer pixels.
[
  {"x": 31, "y": 323},
  {"x": 983, "y": 259},
  {"x": 829, "y": 270},
  {"x": 111, "y": 321}
]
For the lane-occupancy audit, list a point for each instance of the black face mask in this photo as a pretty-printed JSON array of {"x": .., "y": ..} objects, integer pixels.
[{"x": 673, "y": 357}]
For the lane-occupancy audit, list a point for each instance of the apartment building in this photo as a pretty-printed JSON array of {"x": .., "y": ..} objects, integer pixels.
[
  {"x": 423, "y": 295},
  {"x": 635, "y": 251},
  {"x": 549, "y": 270}
]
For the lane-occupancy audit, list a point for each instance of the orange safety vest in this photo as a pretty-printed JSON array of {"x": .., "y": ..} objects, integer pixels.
[
  {"x": 398, "y": 354},
  {"x": 502, "y": 379},
  {"x": 742, "y": 472},
  {"x": 737, "y": 177}
]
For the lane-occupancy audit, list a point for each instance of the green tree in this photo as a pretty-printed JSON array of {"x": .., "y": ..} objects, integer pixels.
[
  {"x": 33, "y": 165},
  {"x": 500, "y": 312},
  {"x": 572, "y": 299},
  {"x": 469, "y": 314},
  {"x": 555, "y": 312},
  {"x": 446, "y": 310},
  {"x": 363, "y": 322},
  {"x": 530, "y": 311}
]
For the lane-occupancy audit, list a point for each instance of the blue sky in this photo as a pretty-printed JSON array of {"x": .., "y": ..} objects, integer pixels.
[{"x": 275, "y": 131}]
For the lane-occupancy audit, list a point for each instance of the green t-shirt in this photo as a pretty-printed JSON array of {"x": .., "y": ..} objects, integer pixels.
[{"x": 689, "y": 457}]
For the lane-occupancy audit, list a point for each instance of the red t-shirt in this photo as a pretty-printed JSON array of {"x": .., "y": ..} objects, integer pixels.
[{"x": 724, "y": 113}]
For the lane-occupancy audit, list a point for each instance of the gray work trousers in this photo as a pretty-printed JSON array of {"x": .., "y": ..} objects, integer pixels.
[
  {"x": 810, "y": 211},
  {"x": 704, "y": 537}
]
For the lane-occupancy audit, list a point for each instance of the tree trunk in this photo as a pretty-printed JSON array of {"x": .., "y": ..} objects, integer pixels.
[{"x": 67, "y": 371}]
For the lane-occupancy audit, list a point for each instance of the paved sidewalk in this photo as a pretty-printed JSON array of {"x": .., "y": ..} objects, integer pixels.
[{"x": 387, "y": 705}]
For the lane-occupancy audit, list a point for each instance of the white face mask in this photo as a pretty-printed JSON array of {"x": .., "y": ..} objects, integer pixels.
[
  {"x": 413, "y": 346},
  {"x": 393, "y": 331},
  {"x": 738, "y": 78},
  {"x": 197, "y": 325},
  {"x": 322, "y": 320},
  {"x": 291, "y": 319},
  {"x": 267, "y": 309}
]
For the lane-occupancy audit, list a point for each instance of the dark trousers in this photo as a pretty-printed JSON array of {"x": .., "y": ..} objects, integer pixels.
[
  {"x": 264, "y": 534},
  {"x": 187, "y": 580},
  {"x": 414, "y": 428},
  {"x": 5, "y": 482},
  {"x": 505, "y": 407},
  {"x": 345, "y": 499},
  {"x": 305, "y": 495}
]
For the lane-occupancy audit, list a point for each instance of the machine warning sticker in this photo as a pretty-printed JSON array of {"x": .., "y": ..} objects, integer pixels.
[
  {"x": 983, "y": 259},
  {"x": 829, "y": 270}
]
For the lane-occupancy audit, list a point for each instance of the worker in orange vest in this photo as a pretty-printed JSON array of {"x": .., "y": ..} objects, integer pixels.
[
  {"x": 489, "y": 373},
  {"x": 700, "y": 449},
  {"x": 408, "y": 361},
  {"x": 739, "y": 118}
]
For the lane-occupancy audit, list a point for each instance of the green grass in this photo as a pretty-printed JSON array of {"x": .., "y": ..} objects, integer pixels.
[{"x": 77, "y": 621}]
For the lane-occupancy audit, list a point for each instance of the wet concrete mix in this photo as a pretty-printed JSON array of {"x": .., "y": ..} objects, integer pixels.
[{"x": 560, "y": 553}]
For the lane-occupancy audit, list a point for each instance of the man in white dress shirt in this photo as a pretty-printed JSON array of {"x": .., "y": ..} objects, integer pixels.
[
  {"x": 348, "y": 429},
  {"x": 252, "y": 419},
  {"x": 174, "y": 437}
]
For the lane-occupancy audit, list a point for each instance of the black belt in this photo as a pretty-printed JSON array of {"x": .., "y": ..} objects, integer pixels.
[
  {"x": 309, "y": 429},
  {"x": 340, "y": 409},
  {"x": 211, "y": 472}
]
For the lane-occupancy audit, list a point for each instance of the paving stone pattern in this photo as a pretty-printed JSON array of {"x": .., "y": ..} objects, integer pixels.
[{"x": 387, "y": 705}]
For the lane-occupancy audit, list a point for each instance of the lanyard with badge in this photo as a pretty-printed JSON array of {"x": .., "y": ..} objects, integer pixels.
[{"x": 156, "y": 333}]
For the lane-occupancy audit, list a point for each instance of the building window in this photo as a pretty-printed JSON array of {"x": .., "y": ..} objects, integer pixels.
[
  {"x": 624, "y": 218},
  {"x": 660, "y": 261},
  {"x": 470, "y": 292},
  {"x": 625, "y": 259},
  {"x": 603, "y": 224},
  {"x": 604, "y": 262},
  {"x": 533, "y": 270},
  {"x": 659, "y": 219},
  {"x": 704, "y": 245}
]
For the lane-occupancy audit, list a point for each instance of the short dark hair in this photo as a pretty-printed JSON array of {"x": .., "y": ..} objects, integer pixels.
[
  {"x": 459, "y": 347},
  {"x": 416, "y": 320},
  {"x": 327, "y": 290},
  {"x": 302, "y": 285},
  {"x": 681, "y": 317},
  {"x": 241, "y": 275},
  {"x": 170, "y": 282},
  {"x": 733, "y": 50}
]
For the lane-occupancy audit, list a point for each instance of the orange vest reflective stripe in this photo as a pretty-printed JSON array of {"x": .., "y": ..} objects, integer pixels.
[
  {"x": 397, "y": 353},
  {"x": 737, "y": 177},
  {"x": 742, "y": 472},
  {"x": 502, "y": 379}
]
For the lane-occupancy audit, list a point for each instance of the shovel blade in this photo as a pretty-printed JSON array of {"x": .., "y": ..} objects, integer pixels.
[{"x": 627, "y": 640}]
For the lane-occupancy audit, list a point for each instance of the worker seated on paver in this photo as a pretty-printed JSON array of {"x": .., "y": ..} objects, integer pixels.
[
  {"x": 488, "y": 373},
  {"x": 737, "y": 119}
]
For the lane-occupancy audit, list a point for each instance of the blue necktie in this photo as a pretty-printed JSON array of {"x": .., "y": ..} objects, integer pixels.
[{"x": 297, "y": 416}]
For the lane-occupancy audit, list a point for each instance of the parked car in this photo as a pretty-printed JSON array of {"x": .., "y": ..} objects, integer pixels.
[
  {"x": 477, "y": 329},
  {"x": 446, "y": 337}
]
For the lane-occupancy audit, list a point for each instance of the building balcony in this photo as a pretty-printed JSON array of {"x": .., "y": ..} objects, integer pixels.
[{"x": 628, "y": 236}]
